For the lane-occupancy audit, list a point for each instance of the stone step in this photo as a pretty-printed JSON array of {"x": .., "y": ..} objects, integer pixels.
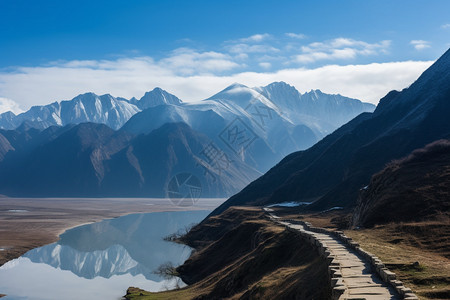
[{"x": 351, "y": 276}]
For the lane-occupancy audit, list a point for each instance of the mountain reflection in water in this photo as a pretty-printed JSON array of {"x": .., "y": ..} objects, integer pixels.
[{"x": 129, "y": 248}]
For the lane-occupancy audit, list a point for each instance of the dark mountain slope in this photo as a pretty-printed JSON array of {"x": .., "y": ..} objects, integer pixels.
[
  {"x": 24, "y": 140},
  {"x": 5, "y": 146},
  {"x": 415, "y": 188},
  {"x": 332, "y": 171},
  {"x": 69, "y": 165},
  {"x": 146, "y": 166},
  {"x": 92, "y": 160}
]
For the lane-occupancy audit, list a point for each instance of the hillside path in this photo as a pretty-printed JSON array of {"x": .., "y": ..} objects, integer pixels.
[{"x": 357, "y": 276}]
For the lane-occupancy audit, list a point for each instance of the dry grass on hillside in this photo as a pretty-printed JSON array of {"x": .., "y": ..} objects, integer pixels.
[
  {"x": 243, "y": 255},
  {"x": 400, "y": 245}
]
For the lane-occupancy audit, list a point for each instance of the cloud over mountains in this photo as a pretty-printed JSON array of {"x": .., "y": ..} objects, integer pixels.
[{"x": 195, "y": 72}]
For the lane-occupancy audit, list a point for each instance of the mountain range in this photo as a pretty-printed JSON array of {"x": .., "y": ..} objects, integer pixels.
[
  {"x": 105, "y": 146},
  {"x": 332, "y": 172},
  {"x": 88, "y": 107}
]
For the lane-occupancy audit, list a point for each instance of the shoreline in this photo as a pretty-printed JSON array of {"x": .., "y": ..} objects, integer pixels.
[{"x": 28, "y": 223}]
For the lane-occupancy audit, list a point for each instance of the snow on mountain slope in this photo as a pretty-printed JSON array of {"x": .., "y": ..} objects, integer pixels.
[
  {"x": 88, "y": 107},
  {"x": 318, "y": 110},
  {"x": 240, "y": 121},
  {"x": 332, "y": 172},
  {"x": 248, "y": 130},
  {"x": 156, "y": 97}
]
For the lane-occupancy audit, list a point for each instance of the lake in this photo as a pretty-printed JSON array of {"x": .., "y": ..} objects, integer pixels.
[{"x": 101, "y": 260}]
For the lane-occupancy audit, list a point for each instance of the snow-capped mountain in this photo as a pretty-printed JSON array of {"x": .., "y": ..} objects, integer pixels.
[
  {"x": 88, "y": 107},
  {"x": 332, "y": 172},
  {"x": 323, "y": 111},
  {"x": 275, "y": 120},
  {"x": 156, "y": 97},
  {"x": 226, "y": 141},
  {"x": 320, "y": 112}
]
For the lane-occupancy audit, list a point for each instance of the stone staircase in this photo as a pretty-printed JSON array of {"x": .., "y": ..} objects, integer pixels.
[{"x": 354, "y": 273}]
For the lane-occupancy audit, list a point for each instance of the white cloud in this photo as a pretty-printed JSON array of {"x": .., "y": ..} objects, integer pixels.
[
  {"x": 339, "y": 49},
  {"x": 299, "y": 36},
  {"x": 366, "y": 82},
  {"x": 186, "y": 61},
  {"x": 420, "y": 44},
  {"x": 241, "y": 56},
  {"x": 194, "y": 75},
  {"x": 256, "y": 38},
  {"x": 9, "y": 105},
  {"x": 265, "y": 65},
  {"x": 254, "y": 44},
  {"x": 245, "y": 48},
  {"x": 128, "y": 77},
  {"x": 445, "y": 26}
]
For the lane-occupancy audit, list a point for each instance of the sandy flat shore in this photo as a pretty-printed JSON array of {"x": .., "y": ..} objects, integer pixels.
[{"x": 27, "y": 223}]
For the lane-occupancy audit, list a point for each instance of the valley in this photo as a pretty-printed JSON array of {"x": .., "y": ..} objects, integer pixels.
[{"x": 225, "y": 150}]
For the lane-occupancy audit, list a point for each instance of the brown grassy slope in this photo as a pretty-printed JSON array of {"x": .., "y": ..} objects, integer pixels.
[
  {"x": 400, "y": 245},
  {"x": 415, "y": 188},
  {"x": 241, "y": 255},
  {"x": 406, "y": 211}
]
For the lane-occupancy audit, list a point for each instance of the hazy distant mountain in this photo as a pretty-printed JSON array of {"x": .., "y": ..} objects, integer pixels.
[
  {"x": 226, "y": 141},
  {"x": 5, "y": 147},
  {"x": 16, "y": 145},
  {"x": 69, "y": 164},
  {"x": 84, "y": 108},
  {"x": 88, "y": 107},
  {"x": 332, "y": 111},
  {"x": 94, "y": 160},
  {"x": 146, "y": 166},
  {"x": 273, "y": 132},
  {"x": 321, "y": 112},
  {"x": 331, "y": 172}
]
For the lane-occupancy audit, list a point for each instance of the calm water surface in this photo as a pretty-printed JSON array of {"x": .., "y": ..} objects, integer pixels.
[{"x": 101, "y": 260}]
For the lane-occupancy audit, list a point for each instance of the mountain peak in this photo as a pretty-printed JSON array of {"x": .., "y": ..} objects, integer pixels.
[
  {"x": 232, "y": 88},
  {"x": 436, "y": 80},
  {"x": 236, "y": 85},
  {"x": 236, "y": 92},
  {"x": 279, "y": 84},
  {"x": 157, "y": 89},
  {"x": 315, "y": 93},
  {"x": 156, "y": 97},
  {"x": 85, "y": 95},
  {"x": 8, "y": 114},
  {"x": 403, "y": 121}
]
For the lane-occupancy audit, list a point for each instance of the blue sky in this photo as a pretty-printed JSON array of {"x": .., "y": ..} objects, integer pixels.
[{"x": 53, "y": 50}]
